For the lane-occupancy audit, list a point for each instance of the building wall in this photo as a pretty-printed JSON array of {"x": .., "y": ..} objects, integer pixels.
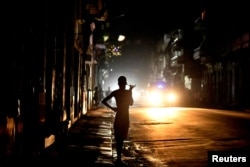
[{"x": 45, "y": 85}]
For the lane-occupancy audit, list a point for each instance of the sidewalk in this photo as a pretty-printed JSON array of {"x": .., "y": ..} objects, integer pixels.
[{"x": 89, "y": 143}]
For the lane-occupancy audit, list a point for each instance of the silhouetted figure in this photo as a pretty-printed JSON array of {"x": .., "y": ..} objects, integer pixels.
[
  {"x": 123, "y": 99},
  {"x": 108, "y": 91},
  {"x": 96, "y": 96}
]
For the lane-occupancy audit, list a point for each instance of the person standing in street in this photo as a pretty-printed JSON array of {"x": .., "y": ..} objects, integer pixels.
[
  {"x": 123, "y": 99},
  {"x": 96, "y": 96}
]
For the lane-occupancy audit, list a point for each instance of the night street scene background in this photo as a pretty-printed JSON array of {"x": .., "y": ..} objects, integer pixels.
[{"x": 57, "y": 55}]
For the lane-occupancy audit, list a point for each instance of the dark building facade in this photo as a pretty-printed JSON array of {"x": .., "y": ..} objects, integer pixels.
[
  {"x": 223, "y": 52},
  {"x": 48, "y": 73},
  {"x": 214, "y": 56}
]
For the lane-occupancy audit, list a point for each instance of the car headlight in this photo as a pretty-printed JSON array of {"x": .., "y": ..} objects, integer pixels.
[
  {"x": 154, "y": 97},
  {"x": 171, "y": 97}
]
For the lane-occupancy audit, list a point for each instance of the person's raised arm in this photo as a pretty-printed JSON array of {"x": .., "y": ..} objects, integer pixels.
[{"x": 131, "y": 87}]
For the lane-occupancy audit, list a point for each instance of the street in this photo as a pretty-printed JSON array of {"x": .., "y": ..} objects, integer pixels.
[
  {"x": 158, "y": 137},
  {"x": 171, "y": 137}
]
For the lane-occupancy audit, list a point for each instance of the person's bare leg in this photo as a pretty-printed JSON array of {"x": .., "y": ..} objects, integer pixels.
[{"x": 119, "y": 145}]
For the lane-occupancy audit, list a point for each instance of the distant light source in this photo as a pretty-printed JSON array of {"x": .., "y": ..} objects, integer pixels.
[
  {"x": 105, "y": 38},
  {"x": 121, "y": 38}
]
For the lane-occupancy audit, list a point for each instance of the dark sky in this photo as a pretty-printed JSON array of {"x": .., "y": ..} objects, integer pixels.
[{"x": 151, "y": 19}]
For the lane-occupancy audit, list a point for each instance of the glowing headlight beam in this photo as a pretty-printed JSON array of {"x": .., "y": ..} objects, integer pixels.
[
  {"x": 154, "y": 98},
  {"x": 171, "y": 97}
]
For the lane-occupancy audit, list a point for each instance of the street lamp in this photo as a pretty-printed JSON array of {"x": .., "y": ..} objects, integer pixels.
[
  {"x": 121, "y": 38},
  {"x": 112, "y": 46}
]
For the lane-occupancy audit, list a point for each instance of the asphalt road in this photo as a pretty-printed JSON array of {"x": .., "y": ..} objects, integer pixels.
[{"x": 180, "y": 137}]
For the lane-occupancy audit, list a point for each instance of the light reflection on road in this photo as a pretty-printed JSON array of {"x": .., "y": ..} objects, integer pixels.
[
  {"x": 171, "y": 136},
  {"x": 161, "y": 114}
]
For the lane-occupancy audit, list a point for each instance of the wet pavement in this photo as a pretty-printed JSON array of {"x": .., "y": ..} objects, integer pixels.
[{"x": 89, "y": 142}]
